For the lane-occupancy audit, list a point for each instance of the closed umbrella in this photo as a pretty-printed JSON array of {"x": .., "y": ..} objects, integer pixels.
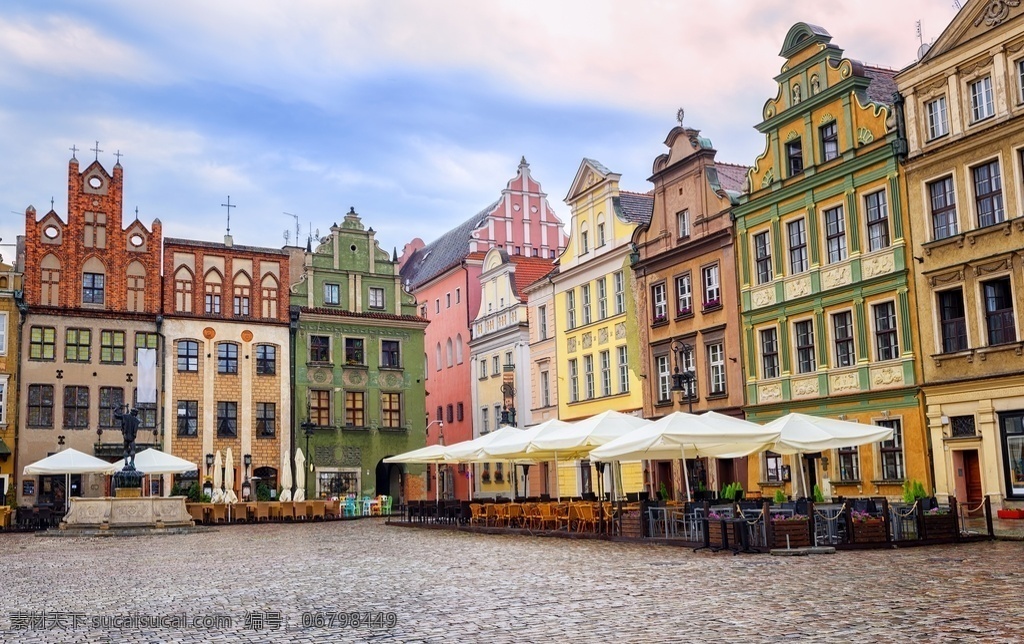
[
  {"x": 229, "y": 478},
  {"x": 300, "y": 470},
  {"x": 286, "y": 477},
  {"x": 218, "y": 481}
]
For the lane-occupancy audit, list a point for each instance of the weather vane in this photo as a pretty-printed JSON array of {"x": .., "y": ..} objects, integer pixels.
[{"x": 679, "y": 116}]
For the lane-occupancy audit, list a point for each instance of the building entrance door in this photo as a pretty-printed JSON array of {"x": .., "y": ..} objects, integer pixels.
[{"x": 972, "y": 477}]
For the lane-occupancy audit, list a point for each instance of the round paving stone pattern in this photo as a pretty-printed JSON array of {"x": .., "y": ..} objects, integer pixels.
[{"x": 303, "y": 582}]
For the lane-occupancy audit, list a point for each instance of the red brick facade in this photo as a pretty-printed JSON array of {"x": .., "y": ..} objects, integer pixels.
[{"x": 92, "y": 240}]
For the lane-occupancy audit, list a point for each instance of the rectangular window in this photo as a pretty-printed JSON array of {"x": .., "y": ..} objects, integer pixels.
[
  {"x": 545, "y": 389},
  {"x": 112, "y": 347},
  {"x": 485, "y": 424},
  {"x": 377, "y": 297},
  {"x": 619, "y": 281},
  {"x": 3, "y": 333},
  {"x": 602, "y": 298},
  {"x": 891, "y": 451},
  {"x": 712, "y": 290},
  {"x": 829, "y": 141},
  {"x": 659, "y": 301},
  {"x": 943, "y": 203},
  {"x": 716, "y": 369},
  {"x": 483, "y": 368},
  {"x": 391, "y": 410},
  {"x": 689, "y": 363},
  {"x": 241, "y": 301},
  {"x": 570, "y": 307},
  {"x": 320, "y": 407},
  {"x": 769, "y": 353},
  {"x": 842, "y": 333},
  {"x": 147, "y": 412},
  {"x": 145, "y": 341},
  {"x": 92, "y": 288},
  {"x": 683, "y": 223},
  {"x": 797, "y": 233},
  {"x": 76, "y": 407},
  {"x": 212, "y": 300},
  {"x": 981, "y": 99},
  {"x": 574, "y": 381},
  {"x": 447, "y": 300},
  {"x": 451, "y": 413},
  {"x": 40, "y": 406},
  {"x": 584, "y": 242},
  {"x": 437, "y": 305},
  {"x": 332, "y": 294},
  {"x": 542, "y": 322},
  {"x": 354, "y": 352},
  {"x": 227, "y": 419},
  {"x": 953, "y": 320},
  {"x": 664, "y": 379},
  {"x": 772, "y": 467},
  {"x": 623, "y": 369},
  {"x": 1020, "y": 81},
  {"x": 188, "y": 355},
  {"x": 684, "y": 295},
  {"x": 77, "y": 345},
  {"x": 937, "y": 124},
  {"x": 887, "y": 346},
  {"x": 188, "y": 418},
  {"x": 588, "y": 373},
  {"x": 600, "y": 237},
  {"x": 42, "y": 343},
  {"x": 390, "y": 356},
  {"x": 999, "y": 311},
  {"x": 586, "y": 303},
  {"x": 266, "y": 419},
  {"x": 183, "y": 296},
  {"x": 495, "y": 365},
  {"x": 763, "y": 257},
  {"x": 460, "y": 412},
  {"x": 458, "y": 295},
  {"x": 266, "y": 359},
  {"x": 795, "y": 157},
  {"x": 804, "y": 331},
  {"x": 878, "y": 220},
  {"x": 508, "y": 359},
  {"x": 227, "y": 357},
  {"x": 606, "y": 373},
  {"x": 849, "y": 463},
  {"x": 319, "y": 348},
  {"x": 111, "y": 401},
  {"x": 988, "y": 194},
  {"x": 835, "y": 234}
]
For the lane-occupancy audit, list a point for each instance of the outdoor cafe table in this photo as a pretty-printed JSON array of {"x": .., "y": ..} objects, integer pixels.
[{"x": 826, "y": 522}]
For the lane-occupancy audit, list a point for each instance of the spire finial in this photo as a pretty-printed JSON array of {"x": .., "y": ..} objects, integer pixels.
[
  {"x": 97, "y": 150},
  {"x": 679, "y": 116},
  {"x": 229, "y": 206},
  {"x": 74, "y": 151},
  {"x": 118, "y": 155}
]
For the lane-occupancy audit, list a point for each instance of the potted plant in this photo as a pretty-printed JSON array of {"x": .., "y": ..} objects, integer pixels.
[
  {"x": 867, "y": 528},
  {"x": 715, "y": 536},
  {"x": 663, "y": 492},
  {"x": 818, "y": 496},
  {"x": 485, "y": 477},
  {"x": 913, "y": 491},
  {"x": 499, "y": 477},
  {"x": 939, "y": 524},
  {"x": 780, "y": 496}
]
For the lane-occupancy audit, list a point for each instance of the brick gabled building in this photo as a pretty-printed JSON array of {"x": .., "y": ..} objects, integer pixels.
[{"x": 91, "y": 299}]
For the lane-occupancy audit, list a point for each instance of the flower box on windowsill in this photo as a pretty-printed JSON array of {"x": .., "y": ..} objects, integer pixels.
[
  {"x": 711, "y": 305},
  {"x": 485, "y": 478},
  {"x": 658, "y": 320},
  {"x": 681, "y": 313}
]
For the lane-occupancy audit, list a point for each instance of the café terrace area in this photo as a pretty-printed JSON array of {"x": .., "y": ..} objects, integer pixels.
[{"x": 718, "y": 521}]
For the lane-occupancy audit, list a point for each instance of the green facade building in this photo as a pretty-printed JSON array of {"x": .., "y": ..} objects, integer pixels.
[{"x": 358, "y": 378}]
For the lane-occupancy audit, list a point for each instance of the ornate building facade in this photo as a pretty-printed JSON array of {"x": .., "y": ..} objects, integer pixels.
[
  {"x": 964, "y": 105},
  {"x": 826, "y": 287},
  {"x": 10, "y": 288}
]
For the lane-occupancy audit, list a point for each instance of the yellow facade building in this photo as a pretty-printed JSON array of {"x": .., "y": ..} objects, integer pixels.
[{"x": 10, "y": 283}]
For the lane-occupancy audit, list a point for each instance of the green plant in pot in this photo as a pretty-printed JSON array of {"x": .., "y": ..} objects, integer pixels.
[
  {"x": 780, "y": 496},
  {"x": 913, "y": 491},
  {"x": 663, "y": 492},
  {"x": 818, "y": 496}
]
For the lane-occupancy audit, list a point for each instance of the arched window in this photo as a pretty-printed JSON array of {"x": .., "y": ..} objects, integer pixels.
[
  {"x": 213, "y": 282},
  {"x": 94, "y": 280},
  {"x": 50, "y": 293},
  {"x": 448, "y": 352},
  {"x": 240, "y": 301},
  {"x": 269, "y": 296},
  {"x": 458, "y": 349},
  {"x": 183, "y": 285},
  {"x": 584, "y": 239},
  {"x": 437, "y": 356},
  {"x": 137, "y": 287}
]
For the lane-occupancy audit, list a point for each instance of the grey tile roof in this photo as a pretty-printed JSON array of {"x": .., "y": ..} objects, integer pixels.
[
  {"x": 444, "y": 252},
  {"x": 598, "y": 166},
  {"x": 732, "y": 177},
  {"x": 882, "y": 87},
  {"x": 634, "y": 207}
]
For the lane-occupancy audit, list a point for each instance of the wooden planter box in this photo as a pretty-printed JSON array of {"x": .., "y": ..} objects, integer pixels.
[
  {"x": 715, "y": 532},
  {"x": 870, "y": 531},
  {"x": 1010, "y": 514},
  {"x": 799, "y": 535},
  {"x": 939, "y": 526},
  {"x": 631, "y": 525}
]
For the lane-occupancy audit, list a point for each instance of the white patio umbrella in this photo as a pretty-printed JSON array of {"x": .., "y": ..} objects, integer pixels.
[
  {"x": 218, "y": 481},
  {"x": 805, "y": 434},
  {"x": 153, "y": 461},
  {"x": 300, "y": 471},
  {"x": 229, "y": 478},
  {"x": 682, "y": 435},
  {"x": 286, "y": 477},
  {"x": 472, "y": 451},
  {"x": 67, "y": 462}
]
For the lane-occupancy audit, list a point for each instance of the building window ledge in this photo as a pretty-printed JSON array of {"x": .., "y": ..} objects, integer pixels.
[{"x": 945, "y": 241}]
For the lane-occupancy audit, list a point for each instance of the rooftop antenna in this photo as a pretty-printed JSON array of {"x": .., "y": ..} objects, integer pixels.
[
  {"x": 296, "y": 218},
  {"x": 229, "y": 206},
  {"x": 287, "y": 236},
  {"x": 923, "y": 46}
]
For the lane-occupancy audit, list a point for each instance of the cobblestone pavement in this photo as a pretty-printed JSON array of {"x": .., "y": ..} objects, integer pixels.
[{"x": 450, "y": 586}]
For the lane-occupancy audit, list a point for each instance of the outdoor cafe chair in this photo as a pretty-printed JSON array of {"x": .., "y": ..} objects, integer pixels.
[
  {"x": 262, "y": 511},
  {"x": 547, "y": 517},
  {"x": 502, "y": 514},
  {"x": 386, "y": 507},
  {"x": 350, "y": 506},
  {"x": 491, "y": 510},
  {"x": 568, "y": 517},
  {"x": 477, "y": 514},
  {"x": 585, "y": 517}
]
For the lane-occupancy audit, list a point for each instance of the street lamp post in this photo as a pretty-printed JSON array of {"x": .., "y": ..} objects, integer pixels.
[
  {"x": 437, "y": 467},
  {"x": 307, "y": 427},
  {"x": 683, "y": 381}
]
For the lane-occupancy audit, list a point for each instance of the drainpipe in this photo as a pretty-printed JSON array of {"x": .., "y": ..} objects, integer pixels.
[
  {"x": 19, "y": 300},
  {"x": 293, "y": 329}
]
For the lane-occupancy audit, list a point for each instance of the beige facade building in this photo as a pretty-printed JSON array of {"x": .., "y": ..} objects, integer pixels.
[{"x": 964, "y": 103}]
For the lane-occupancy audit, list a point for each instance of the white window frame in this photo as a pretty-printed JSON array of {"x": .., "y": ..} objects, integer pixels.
[
  {"x": 982, "y": 101},
  {"x": 937, "y": 116},
  {"x": 585, "y": 296},
  {"x": 380, "y": 291},
  {"x": 3, "y": 398},
  {"x": 602, "y": 298},
  {"x": 336, "y": 288},
  {"x": 683, "y": 223},
  {"x": 661, "y": 367},
  {"x": 3, "y": 333},
  {"x": 659, "y": 302},
  {"x": 545, "y": 389},
  {"x": 684, "y": 294},
  {"x": 588, "y": 376},
  {"x": 574, "y": 380},
  {"x": 606, "y": 373},
  {"x": 716, "y": 369},
  {"x": 542, "y": 321},
  {"x": 623, "y": 356},
  {"x": 712, "y": 286},
  {"x": 570, "y": 308},
  {"x": 619, "y": 283}
]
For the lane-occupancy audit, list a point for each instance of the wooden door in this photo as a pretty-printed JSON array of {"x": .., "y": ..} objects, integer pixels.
[{"x": 972, "y": 477}]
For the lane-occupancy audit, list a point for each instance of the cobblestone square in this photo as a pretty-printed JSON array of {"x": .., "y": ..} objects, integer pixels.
[{"x": 450, "y": 586}]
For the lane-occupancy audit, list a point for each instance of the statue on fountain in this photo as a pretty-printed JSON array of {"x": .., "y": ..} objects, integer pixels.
[{"x": 129, "y": 429}]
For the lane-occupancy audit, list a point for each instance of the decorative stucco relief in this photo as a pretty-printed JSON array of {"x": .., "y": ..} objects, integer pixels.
[{"x": 878, "y": 265}]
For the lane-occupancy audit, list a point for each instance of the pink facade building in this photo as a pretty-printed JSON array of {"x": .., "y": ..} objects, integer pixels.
[{"x": 446, "y": 283}]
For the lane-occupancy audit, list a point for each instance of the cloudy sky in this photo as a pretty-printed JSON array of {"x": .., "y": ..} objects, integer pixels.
[{"x": 416, "y": 113}]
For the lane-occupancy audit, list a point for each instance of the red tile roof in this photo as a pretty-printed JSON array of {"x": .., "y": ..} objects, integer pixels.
[{"x": 529, "y": 270}]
